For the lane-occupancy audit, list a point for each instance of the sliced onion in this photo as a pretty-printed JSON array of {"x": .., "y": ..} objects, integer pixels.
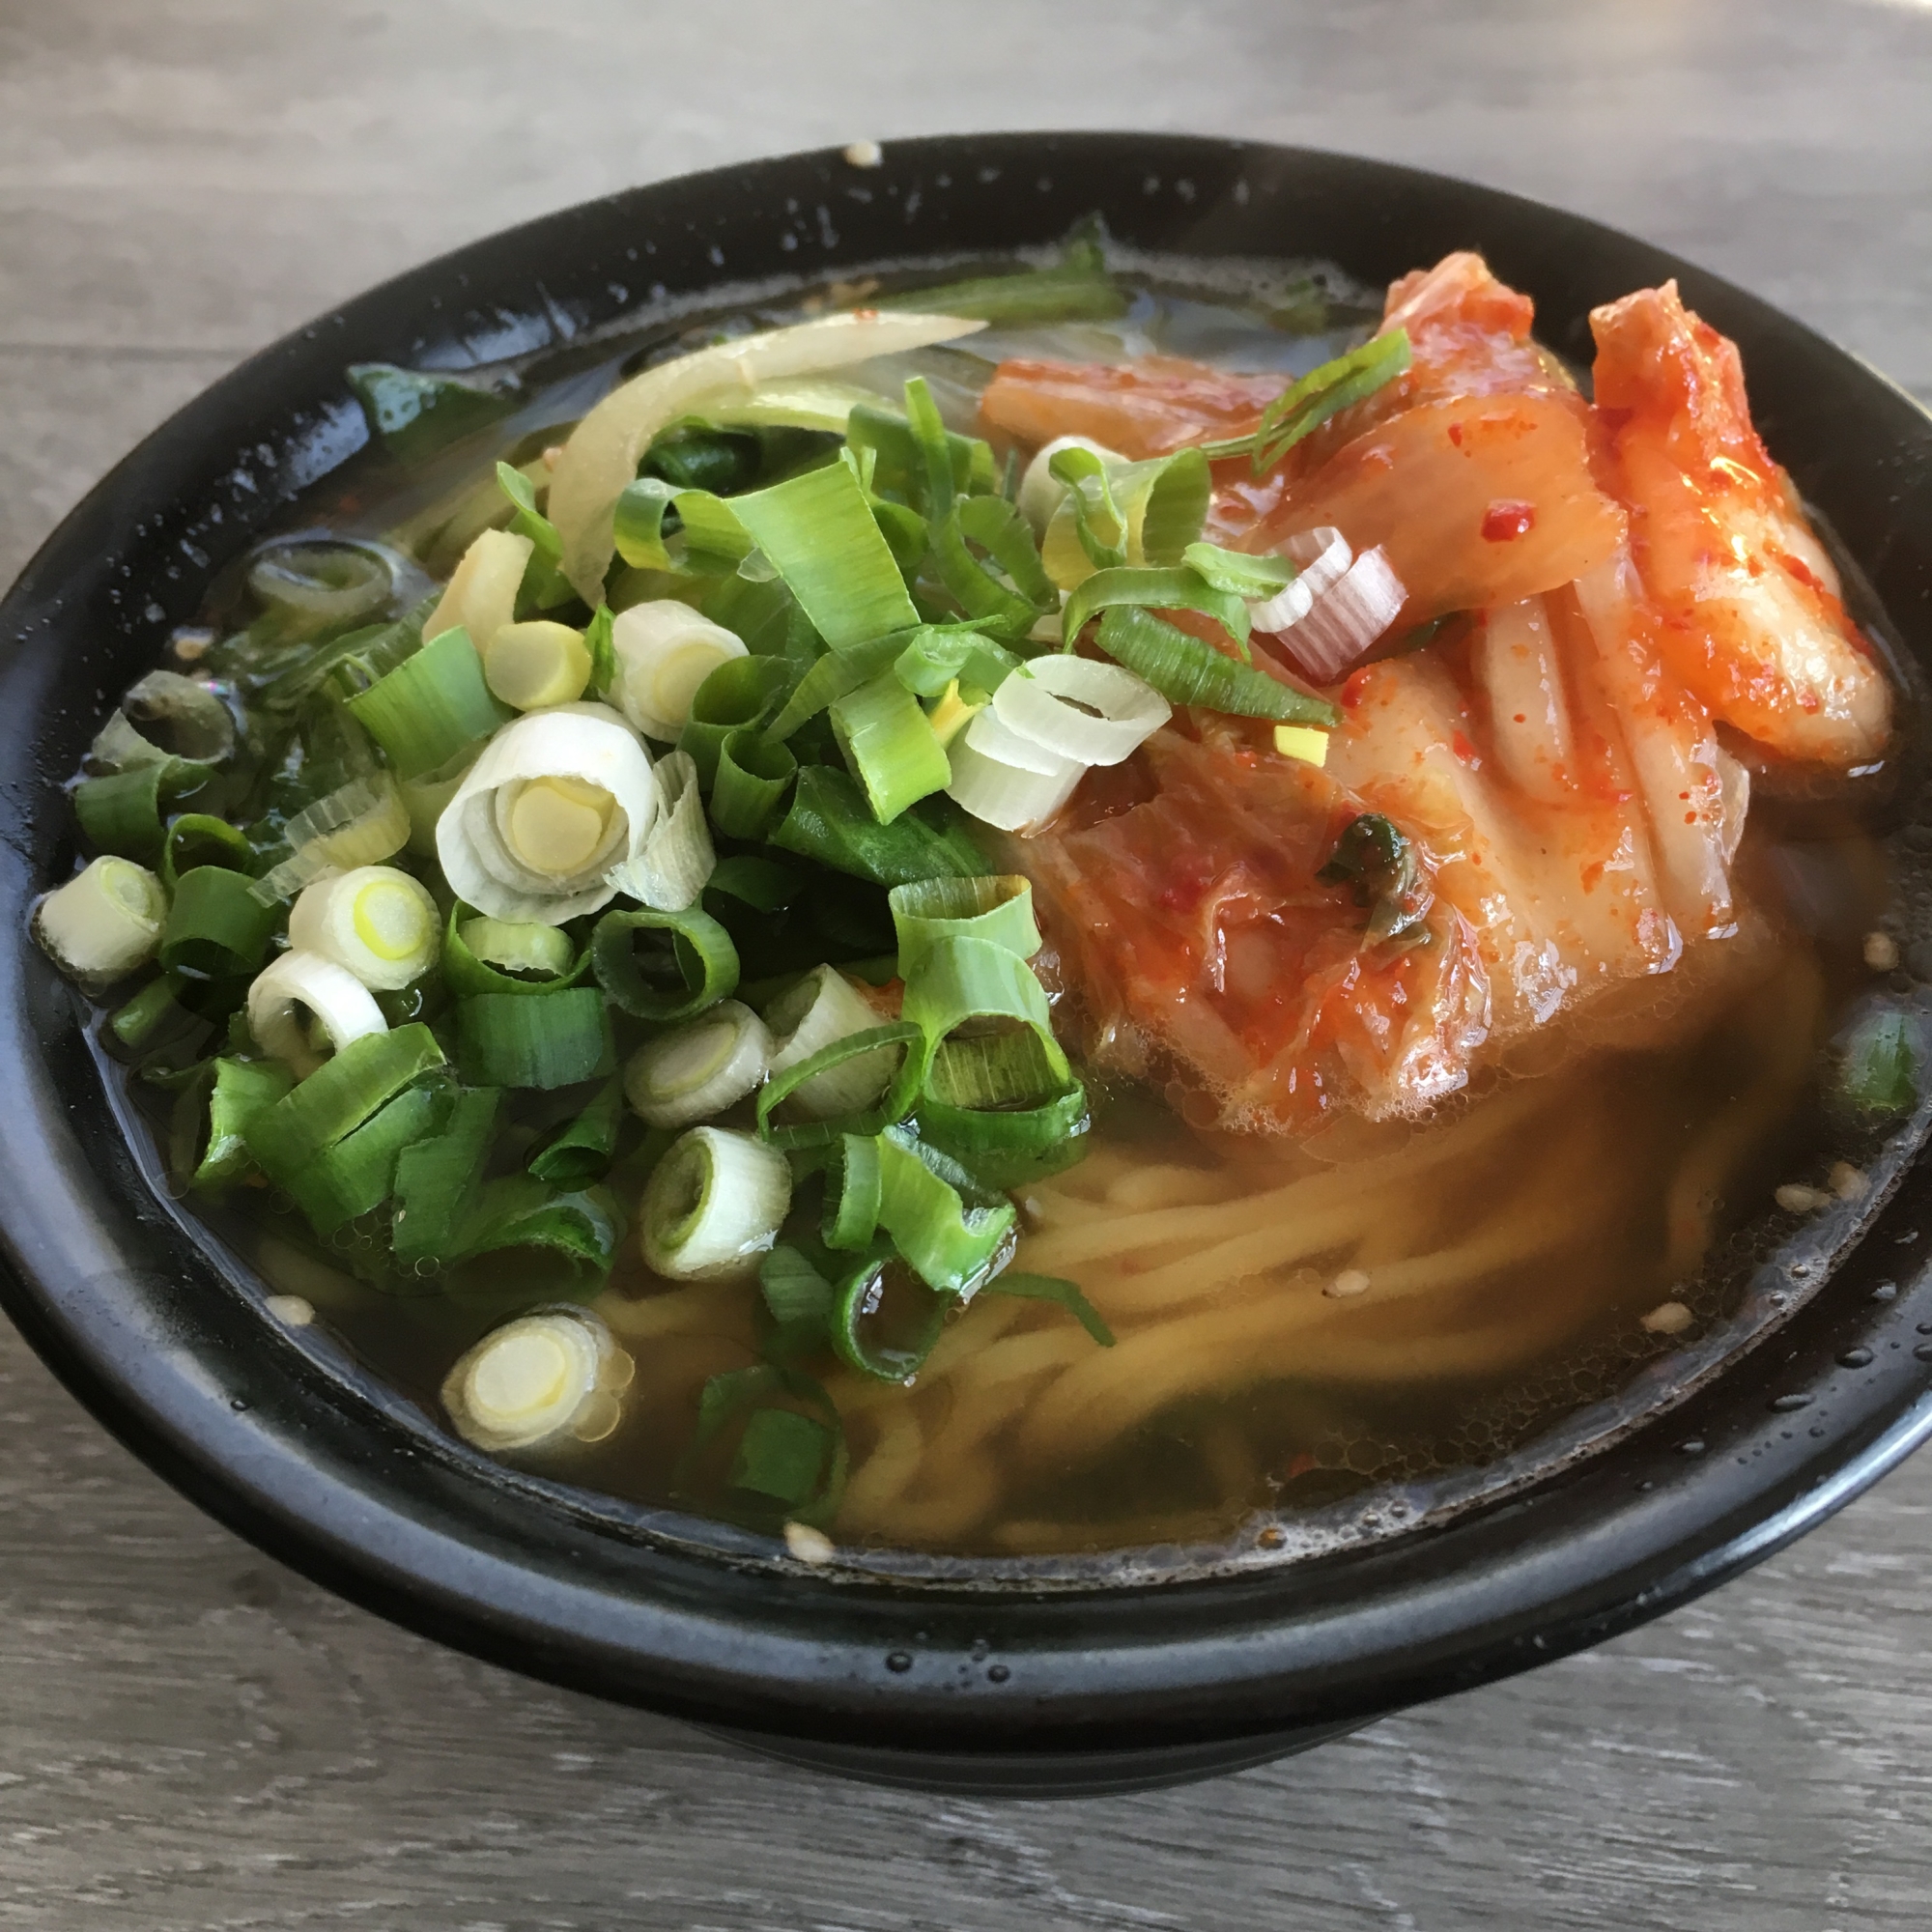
[
  {"x": 1319, "y": 557},
  {"x": 103, "y": 922},
  {"x": 557, "y": 800},
  {"x": 698, "y": 1070},
  {"x": 358, "y": 824},
  {"x": 715, "y": 1204},
  {"x": 535, "y": 1379},
  {"x": 1347, "y": 618},
  {"x": 1011, "y": 795},
  {"x": 664, "y": 651},
  {"x": 1095, "y": 713},
  {"x": 287, "y": 991},
  {"x": 378, "y": 922},
  {"x": 1040, "y": 491},
  {"x": 482, "y": 592},
  {"x": 821, "y": 1010}
]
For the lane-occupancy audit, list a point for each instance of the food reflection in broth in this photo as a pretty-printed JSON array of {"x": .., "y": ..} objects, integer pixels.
[{"x": 1439, "y": 1031}]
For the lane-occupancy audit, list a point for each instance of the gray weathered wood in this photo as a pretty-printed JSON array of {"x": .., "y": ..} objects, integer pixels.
[{"x": 192, "y": 1739}]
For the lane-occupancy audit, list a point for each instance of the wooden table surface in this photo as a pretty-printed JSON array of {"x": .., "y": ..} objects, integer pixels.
[{"x": 192, "y": 1738}]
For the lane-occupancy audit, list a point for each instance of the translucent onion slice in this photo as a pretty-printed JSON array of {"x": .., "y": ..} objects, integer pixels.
[
  {"x": 678, "y": 857},
  {"x": 699, "y": 1069},
  {"x": 521, "y": 947},
  {"x": 1096, "y": 714},
  {"x": 359, "y": 824},
  {"x": 822, "y": 1008},
  {"x": 482, "y": 592},
  {"x": 1347, "y": 618},
  {"x": 535, "y": 664},
  {"x": 539, "y": 1379},
  {"x": 714, "y": 1206},
  {"x": 301, "y": 987},
  {"x": 105, "y": 922},
  {"x": 556, "y": 799},
  {"x": 1320, "y": 556},
  {"x": 1040, "y": 492},
  {"x": 600, "y": 459},
  {"x": 1011, "y": 796},
  {"x": 184, "y": 719},
  {"x": 379, "y": 922},
  {"x": 664, "y": 651}
]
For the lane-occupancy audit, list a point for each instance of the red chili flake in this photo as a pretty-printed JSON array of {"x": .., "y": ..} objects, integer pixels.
[
  {"x": 864, "y": 315},
  {"x": 1522, "y": 717},
  {"x": 1356, "y": 688},
  {"x": 1456, "y": 434},
  {"x": 1503, "y": 522},
  {"x": 1801, "y": 570},
  {"x": 1464, "y": 751}
]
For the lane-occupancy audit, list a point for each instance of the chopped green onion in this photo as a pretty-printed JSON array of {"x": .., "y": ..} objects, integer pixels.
[
  {"x": 1051, "y": 1288},
  {"x": 1093, "y": 713},
  {"x": 155, "y": 1003},
  {"x": 1879, "y": 1072},
  {"x": 538, "y": 1381},
  {"x": 694, "y": 458},
  {"x": 1252, "y": 578},
  {"x": 819, "y": 535},
  {"x": 1126, "y": 513},
  {"x": 1042, "y": 491},
  {"x": 582, "y": 1152},
  {"x": 543, "y": 586},
  {"x": 1303, "y": 406},
  {"x": 1186, "y": 671},
  {"x": 664, "y": 651},
  {"x": 365, "y": 1076},
  {"x": 852, "y": 1192},
  {"x": 432, "y": 707},
  {"x": 521, "y": 1212},
  {"x": 1004, "y": 780},
  {"x": 198, "y": 838},
  {"x": 937, "y": 657},
  {"x": 693, "y": 963},
  {"x": 884, "y": 1322},
  {"x": 699, "y": 1069},
  {"x": 103, "y": 922},
  {"x": 427, "y": 798},
  {"x": 898, "y": 463},
  {"x": 358, "y": 824},
  {"x": 1067, "y": 292},
  {"x": 747, "y": 790},
  {"x": 819, "y": 1009},
  {"x": 1181, "y": 590},
  {"x": 832, "y": 676},
  {"x": 971, "y": 979},
  {"x": 992, "y": 523},
  {"x": 481, "y": 596},
  {"x": 678, "y": 857},
  {"x": 713, "y": 539},
  {"x": 779, "y": 1470},
  {"x": 379, "y": 922},
  {"x": 829, "y": 820},
  {"x": 416, "y": 412},
  {"x": 301, "y": 991},
  {"x": 798, "y": 1300},
  {"x": 953, "y": 1248},
  {"x": 122, "y": 815},
  {"x": 503, "y": 1041},
  {"x": 209, "y": 1146},
  {"x": 714, "y": 1206},
  {"x": 892, "y": 1106},
  {"x": 543, "y": 954},
  {"x": 340, "y": 1183},
  {"x": 532, "y": 666},
  {"x": 736, "y": 696},
  {"x": 997, "y": 907},
  {"x": 198, "y": 725},
  {"x": 216, "y": 927},
  {"x": 437, "y": 1180},
  {"x": 889, "y": 746},
  {"x": 1004, "y": 1147}
]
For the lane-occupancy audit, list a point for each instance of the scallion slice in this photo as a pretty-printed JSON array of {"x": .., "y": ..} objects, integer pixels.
[
  {"x": 164, "y": 716},
  {"x": 503, "y": 1041},
  {"x": 379, "y": 922},
  {"x": 1304, "y": 406},
  {"x": 103, "y": 922},
  {"x": 1129, "y": 513},
  {"x": 1180, "y": 589},
  {"x": 693, "y": 963},
  {"x": 299, "y": 993},
  {"x": 892, "y": 1105},
  {"x": 736, "y": 695},
  {"x": 532, "y": 666},
  {"x": 432, "y": 707},
  {"x": 1052, "y": 1287},
  {"x": 748, "y": 791},
  {"x": 885, "y": 1321},
  {"x": 1006, "y": 789},
  {"x": 664, "y": 651},
  {"x": 436, "y": 1178},
  {"x": 973, "y": 978},
  {"x": 209, "y": 1145},
  {"x": 829, "y": 820},
  {"x": 582, "y": 1152},
  {"x": 1186, "y": 671},
  {"x": 122, "y": 815},
  {"x": 997, "y": 907},
  {"x": 1006, "y": 1146},
  {"x": 582, "y": 1226},
  {"x": 952, "y": 1247},
  {"x": 1252, "y": 578},
  {"x": 1042, "y": 492},
  {"x": 481, "y": 597},
  {"x": 890, "y": 746},
  {"x": 340, "y": 1183},
  {"x": 216, "y": 927},
  {"x": 695, "y": 1071},
  {"x": 364, "y": 1076},
  {"x": 714, "y": 1206},
  {"x": 851, "y": 1192},
  {"x": 358, "y": 824},
  {"x": 198, "y": 838},
  {"x": 556, "y": 801},
  {"x": 536, "y": 1381},
  {"x": 1095, "y": 713},
  {"x": 669, "y": 871},
  {"x": 820, "y": 1010}
]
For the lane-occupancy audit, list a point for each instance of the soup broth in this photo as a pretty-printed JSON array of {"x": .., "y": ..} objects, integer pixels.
[{"x": 1275, "y": 1303}]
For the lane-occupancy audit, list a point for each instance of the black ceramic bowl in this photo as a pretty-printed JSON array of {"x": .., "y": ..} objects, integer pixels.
[{"x": 1006, "y": 1686}]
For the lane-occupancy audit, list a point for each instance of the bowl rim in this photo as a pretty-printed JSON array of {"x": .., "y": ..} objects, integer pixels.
[{"x": 256, "y": 1430}]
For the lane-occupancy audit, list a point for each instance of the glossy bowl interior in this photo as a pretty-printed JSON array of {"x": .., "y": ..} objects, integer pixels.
[{"x": 972, "y": 1679}]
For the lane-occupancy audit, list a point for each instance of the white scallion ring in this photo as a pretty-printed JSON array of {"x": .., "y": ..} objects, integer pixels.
[
  {"x": 301, "y": 990},
  {"x": 664, "y": 651},
  {"x": 103, "y": 922},
  {"x": 1095, "y": 713},
  {"x": 1006, "y": 780},
  {"x": 481, "y": 595},
  {"x": 536, "y": 1379},
  {"x": 699, "y": 1069},
  {"x": 714, "y": 1206},
  {"x": 377, "y": 922}
]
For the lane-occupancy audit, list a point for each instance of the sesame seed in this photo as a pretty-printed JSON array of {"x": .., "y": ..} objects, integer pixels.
[
  {"x": 1795, "y": 1197},
  {"x": 1881, "y": 950},
  {"x": 808, "y": 1545},
  {"x": 1349, "y": 1283},
  {"x": 1847, "y": 1182},
  {"x": 1669, "y": 1318},
  {"x": 865, "y": 154},
  {"x": 292, "y": 1309}
]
